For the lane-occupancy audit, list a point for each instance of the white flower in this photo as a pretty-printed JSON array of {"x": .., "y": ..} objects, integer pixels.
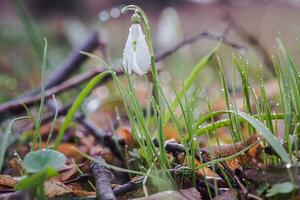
[{"x": 136, "y": 56}]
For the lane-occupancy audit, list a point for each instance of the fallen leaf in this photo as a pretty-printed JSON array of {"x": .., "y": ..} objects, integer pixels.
[
  {"x": 78, "y": 191},
  {"x": 68, "y": 149},
  {"x": 125, "y": 134},
  {"x": 55, "y": 189},
  {"x": 67, "y": 173},
  {"x": 7, "y": 181},
  {"x": 171, "y": 132}
]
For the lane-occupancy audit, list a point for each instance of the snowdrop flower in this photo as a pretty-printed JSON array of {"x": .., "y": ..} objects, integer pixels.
[{"x": 136, "y": 56}]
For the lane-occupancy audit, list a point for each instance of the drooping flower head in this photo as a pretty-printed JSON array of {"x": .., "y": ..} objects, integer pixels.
[{"x": 136, "y": 56}]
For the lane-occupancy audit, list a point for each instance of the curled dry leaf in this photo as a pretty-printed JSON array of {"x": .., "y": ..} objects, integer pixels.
[
  {"x": 78, "y": 191},
  {"x": 125, "y": 134},
  {"x": 56, "y": 189},
  {"x": 7, "y": 181},
  {"x": 251, "y": 157},
  {"x": 171, "y": 132},
  {"x": 69, "y": 150},
  {"x": 66, "y": 174},
  {"x": 16, "y": 167}
]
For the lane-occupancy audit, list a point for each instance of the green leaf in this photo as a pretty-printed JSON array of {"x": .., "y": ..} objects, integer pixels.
[
  {"x": 280, "y": 188},
  {"x": 190, "y": 79},
  {"x": 35, "y": 180},
  {"x": 268, "y": 136},
  {"x": 38, "y": 161}
]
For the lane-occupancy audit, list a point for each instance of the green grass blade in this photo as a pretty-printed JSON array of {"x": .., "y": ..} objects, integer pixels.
[
  {"x": 190, "y": 79},
  {"x": 226, "y": 122},
  {"x": 41, "y": 109},
  {"x": 268, "y": 136},
  {"x": 77, "y": 103}
]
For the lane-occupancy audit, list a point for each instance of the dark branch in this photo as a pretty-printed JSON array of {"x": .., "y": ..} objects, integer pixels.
[
  {"x": 103, "y": 177},
  {"x": 203, "y": 35},
  {"x": 16, "y": 105},
  {"x": 71, "y": 63}
]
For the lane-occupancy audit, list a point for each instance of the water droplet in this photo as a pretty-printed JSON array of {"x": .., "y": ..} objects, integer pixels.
[
  {"x": 115, "y": 12},
  {"x": 104, "y": 15}
]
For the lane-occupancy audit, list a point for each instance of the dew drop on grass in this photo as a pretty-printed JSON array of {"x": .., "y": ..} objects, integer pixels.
[{"x": 288, "y": 165}]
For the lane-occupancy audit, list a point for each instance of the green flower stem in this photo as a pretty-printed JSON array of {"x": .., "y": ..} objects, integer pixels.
[{"x": 155, "y": 79}]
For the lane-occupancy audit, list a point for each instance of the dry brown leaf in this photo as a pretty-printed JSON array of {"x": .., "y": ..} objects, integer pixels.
[
  {"x": 16, "y": 167},
  {"x": 78, "y": 191},
  {"x": 205, "y": 171},
  {"x": 69, "y": 150},
  {"x": 7, "y": 181},
  {"x": 125, "y": 134},
  {"x": 67, "y": 173},
  {"x": 248, "y": 158},
  {"x": 55, "y": 189},
  {"x": 171, "y": 132}
]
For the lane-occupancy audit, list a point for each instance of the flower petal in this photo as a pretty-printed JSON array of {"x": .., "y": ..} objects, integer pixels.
[{"x": 136, "y": 56}]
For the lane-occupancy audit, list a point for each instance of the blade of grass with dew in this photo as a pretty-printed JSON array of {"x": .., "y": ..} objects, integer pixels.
[
  {"x": 5, "y": 139},
  {"x": 245, "y": 83},
  {"x": 266, "y": 106},
  {"x": 233, "y": 125},
  {"x": 268, "y": 136},
  {"x": 190, "y": 135},
  {"x": 77, "y": 103},
  {"x": 285, "y": 96},
  {"x": 41, "y": 109},
  {"x": 190, "y": 79},
  {"x": 226, "y": 122},
  {"x": 292, "y": 74}
]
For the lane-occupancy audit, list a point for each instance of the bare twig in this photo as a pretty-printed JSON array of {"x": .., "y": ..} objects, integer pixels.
[
  {"x": 16, "y": 105},
  {"x": 202, "y": 35},
  {"x": 128, "y": 187},
  {"x": 103, "y": 177}
]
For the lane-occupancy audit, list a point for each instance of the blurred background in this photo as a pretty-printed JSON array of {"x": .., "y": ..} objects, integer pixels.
[{"x": 253, "y": 24}]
